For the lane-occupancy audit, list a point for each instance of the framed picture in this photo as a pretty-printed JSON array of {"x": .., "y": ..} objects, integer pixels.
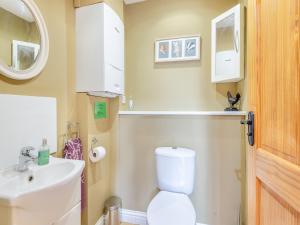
[
  {"x": 24, "y": 54},
  {"x": 177, "y": 49}
]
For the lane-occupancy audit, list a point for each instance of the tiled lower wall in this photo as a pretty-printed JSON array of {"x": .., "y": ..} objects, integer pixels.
[{"x": 220, "y": 169}]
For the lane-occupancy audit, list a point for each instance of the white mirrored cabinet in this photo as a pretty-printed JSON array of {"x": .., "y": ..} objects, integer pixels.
[{"x": 228, "y": 46}]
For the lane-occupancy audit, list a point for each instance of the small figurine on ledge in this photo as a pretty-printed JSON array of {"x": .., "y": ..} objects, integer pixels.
[{"x": 232, "y": 101}]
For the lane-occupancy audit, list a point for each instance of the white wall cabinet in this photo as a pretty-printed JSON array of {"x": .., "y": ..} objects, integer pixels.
[
  {"x": 99, "y": 51},
  {"x": 228, "y": 46}
]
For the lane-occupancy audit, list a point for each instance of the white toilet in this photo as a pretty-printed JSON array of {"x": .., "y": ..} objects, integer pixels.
[{"x": 175, "y": 174}]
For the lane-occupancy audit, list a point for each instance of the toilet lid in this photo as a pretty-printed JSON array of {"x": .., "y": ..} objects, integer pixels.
[{"x": 171, "y": 208}]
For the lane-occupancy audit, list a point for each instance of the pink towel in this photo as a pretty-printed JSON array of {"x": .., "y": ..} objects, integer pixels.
[{"x": 73, "y": 150}]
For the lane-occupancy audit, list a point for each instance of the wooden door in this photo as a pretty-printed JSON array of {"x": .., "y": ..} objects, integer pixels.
[{"x": 274, "y": 96}]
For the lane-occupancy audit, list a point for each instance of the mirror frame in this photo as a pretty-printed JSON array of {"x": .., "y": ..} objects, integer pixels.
[
  {"x": 43, "y": 54},
  {"x": 238, "y": 13}
]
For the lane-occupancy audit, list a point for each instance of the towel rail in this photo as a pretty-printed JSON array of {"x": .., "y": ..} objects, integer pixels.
[{"x": 73, "y": 130}]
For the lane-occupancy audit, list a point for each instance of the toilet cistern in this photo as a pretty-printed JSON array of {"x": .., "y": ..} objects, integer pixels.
[{"x": 175, "y": 168}]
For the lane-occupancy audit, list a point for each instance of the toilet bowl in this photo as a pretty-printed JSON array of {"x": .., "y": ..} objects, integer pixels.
[
  {"x": 175, "y": 169},
  {"x": 169, "y": 208}
]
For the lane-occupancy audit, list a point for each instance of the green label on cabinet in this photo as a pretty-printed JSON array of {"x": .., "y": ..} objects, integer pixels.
[{"x": 100, "y": 110}]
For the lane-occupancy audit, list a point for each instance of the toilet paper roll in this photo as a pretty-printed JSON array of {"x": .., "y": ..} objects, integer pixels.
[{"x": 97, "y": 154}]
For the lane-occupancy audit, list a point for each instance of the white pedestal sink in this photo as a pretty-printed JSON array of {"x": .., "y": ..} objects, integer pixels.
[{"x": 43, "y": 195}]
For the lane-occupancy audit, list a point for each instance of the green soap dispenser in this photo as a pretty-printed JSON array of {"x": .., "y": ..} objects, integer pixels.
[{"x": 44, "y": 151}]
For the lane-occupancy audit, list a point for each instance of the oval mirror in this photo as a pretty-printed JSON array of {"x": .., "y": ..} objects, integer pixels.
[{"x": 24, "y": 43}]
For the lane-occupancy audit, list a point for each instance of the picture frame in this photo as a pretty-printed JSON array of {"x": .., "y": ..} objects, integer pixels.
[
  {"x": 178, "y": 49},
  {"x": 24, "y": 54}
]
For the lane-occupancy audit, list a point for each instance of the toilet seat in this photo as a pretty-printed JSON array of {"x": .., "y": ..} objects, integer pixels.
[{"x": 171, "y": 208}]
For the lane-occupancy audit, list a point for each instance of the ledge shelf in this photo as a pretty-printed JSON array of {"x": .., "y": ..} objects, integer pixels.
[{"x": 182, "y": 113}]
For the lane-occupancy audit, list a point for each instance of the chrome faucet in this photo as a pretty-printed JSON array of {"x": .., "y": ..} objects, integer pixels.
[{"x": 25, "y": 158}]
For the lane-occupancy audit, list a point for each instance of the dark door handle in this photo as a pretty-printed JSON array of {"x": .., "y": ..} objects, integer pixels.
[{"x": 250, "y": 123}]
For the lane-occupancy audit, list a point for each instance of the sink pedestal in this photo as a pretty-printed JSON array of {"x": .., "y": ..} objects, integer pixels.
[
  {"x": 47, "y": 210},
  {"x": 43, "y": 203}
]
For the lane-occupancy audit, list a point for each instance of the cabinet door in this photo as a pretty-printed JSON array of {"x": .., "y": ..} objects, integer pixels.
[
  {"x": 114, "y": 38},
  {"x": 114, "y": 79},
  {"x": 73, "y": 217},
  {"x": 227, "y": 47}
]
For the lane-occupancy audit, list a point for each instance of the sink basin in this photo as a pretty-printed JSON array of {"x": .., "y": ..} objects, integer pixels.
[{"x": 41, "y": 195}]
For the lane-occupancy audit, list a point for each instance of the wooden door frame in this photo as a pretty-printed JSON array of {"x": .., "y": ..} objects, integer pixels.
[{"x": 251, "y": 26}]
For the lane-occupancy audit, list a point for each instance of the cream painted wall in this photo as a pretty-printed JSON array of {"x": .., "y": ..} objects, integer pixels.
[
  {"x": 56, "y": 80},
  {"x": 100, "y": 176},
  {"x": 172, "y": 86},
  {"x": 218, "y": 141},
  {"x": 220, "y": 164}
]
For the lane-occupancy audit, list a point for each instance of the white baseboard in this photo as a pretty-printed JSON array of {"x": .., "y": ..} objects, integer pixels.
[
  {"x": 100, "y": 221},
  {"x": 132, "y": 217},
  {"x": 136, "y": 217},
  {"x": 129, "y": 216}
]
